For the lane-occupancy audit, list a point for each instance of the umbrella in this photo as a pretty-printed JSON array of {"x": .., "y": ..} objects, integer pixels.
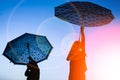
[
  {"x": 28, "y": 45},
  {"x": 86, "y": 13}
]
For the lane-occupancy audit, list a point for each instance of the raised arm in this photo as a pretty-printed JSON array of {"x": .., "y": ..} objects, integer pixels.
[{"x": 82, "y": 35}]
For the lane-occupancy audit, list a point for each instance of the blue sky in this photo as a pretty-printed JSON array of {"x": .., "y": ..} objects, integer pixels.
[{"x": 37, "y": 17}]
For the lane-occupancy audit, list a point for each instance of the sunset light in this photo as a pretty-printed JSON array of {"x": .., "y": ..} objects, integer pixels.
[{"x": 102, "y": 42}]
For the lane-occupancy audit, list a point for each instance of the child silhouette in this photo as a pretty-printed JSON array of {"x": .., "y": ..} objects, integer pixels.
[{"x": 32, "y": 71}]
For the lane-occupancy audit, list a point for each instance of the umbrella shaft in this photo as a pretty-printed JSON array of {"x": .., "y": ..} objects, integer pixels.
[
  {"x": 81, "y": 32},
  {"x": 28, "y": 47}
]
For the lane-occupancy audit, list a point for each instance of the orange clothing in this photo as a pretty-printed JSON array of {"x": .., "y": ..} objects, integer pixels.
[
  {"x": 76, "y": 57},
  {"x": 77, "y": 51}
]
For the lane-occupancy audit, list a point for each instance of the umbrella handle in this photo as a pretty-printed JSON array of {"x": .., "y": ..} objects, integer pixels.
[{"x": 81, "y": 27}]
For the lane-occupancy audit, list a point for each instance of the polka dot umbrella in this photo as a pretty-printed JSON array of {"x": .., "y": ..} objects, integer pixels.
[
  {"x": 28, "y": 45},
  {"x": 84, "y": 13}
]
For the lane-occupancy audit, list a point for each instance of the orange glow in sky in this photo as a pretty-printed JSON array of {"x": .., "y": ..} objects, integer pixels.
[{"x": 104, "y": 54}]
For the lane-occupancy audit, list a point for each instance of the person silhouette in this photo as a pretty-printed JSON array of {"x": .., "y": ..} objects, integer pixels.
[
  {"x": 76, "y": 57},
  {"x": 32, "y": 72}
]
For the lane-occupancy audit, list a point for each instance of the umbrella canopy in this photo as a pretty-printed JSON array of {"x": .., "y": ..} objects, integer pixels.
[
  {"x": 28, "y": 45},
  {"x": 84, "y": 12}
]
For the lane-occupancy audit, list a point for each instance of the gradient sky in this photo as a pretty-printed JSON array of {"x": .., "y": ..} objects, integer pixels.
[{"x": 37, "y": 16}]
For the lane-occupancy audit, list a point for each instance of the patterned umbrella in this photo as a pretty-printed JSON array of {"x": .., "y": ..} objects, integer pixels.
[
  {"x": 28, "y": 45},
  {"x": 86, "y": 13}
]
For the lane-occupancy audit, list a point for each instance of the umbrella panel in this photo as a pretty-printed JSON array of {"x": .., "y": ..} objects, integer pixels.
[
  {"x": 28, "y": 45},
  {"x": 84, "y": 12}
]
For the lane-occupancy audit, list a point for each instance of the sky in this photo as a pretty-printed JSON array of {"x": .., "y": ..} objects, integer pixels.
[{"x": 37, "y": 16}]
